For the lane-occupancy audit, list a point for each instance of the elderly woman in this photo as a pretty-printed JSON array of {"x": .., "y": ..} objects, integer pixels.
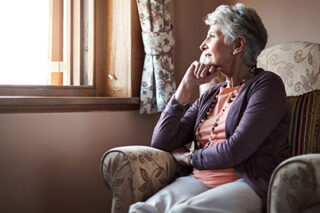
[{"x": 239, "y": 126}]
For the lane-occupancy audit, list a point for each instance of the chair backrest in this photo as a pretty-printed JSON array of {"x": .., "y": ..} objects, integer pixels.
[{"x": 298, "y": 64}]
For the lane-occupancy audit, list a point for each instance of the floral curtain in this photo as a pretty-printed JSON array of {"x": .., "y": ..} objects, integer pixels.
[{"x": 158, "y": 82}]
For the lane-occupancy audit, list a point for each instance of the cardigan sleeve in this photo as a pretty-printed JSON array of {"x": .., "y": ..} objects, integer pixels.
[
  {"x": 175, "y": 126},
  {"x": 267, "y": 106}
]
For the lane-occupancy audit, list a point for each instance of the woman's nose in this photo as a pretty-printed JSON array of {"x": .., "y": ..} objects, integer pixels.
[{"x": 203, "y": 46}]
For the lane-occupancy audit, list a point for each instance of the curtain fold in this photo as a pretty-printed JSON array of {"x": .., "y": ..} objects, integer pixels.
[{"x": 158, "y": 83}]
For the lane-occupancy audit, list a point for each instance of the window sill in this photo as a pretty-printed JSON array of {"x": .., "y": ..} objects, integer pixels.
[{"x": 15, "y": 104}]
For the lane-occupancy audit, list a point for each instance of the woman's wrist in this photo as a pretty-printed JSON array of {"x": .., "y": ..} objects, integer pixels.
[
  {"x": 184, "y": 93},
  {"x": 189, "y": 156},
  {"x": 182, "y": 103}
]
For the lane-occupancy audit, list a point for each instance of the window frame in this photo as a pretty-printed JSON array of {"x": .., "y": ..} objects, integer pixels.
[{"x": 100, "y": 96}]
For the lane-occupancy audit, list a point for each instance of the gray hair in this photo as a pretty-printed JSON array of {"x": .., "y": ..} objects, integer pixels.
[{"x": 240, "y": 20}]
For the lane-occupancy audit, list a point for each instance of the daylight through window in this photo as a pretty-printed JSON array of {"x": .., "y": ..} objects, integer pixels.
[{"x": 46, "y": 42}]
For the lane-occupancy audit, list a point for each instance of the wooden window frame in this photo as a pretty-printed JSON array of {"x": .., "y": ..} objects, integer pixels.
[{"x": 117, "y": 51}]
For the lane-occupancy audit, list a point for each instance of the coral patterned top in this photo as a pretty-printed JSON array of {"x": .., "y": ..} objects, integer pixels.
[{"x": 214, "y": 178}]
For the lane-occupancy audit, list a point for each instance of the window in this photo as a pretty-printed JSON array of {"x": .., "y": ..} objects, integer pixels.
[
  {"x": 101, "y": 68},
  {"x": 17, "y": 33},
  {"x": 47, "y": 40}
]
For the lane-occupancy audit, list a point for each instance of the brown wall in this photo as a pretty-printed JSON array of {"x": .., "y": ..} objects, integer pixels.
[
  {"x": 49, "y": 162},
  {"x": 289, "y": 20}
]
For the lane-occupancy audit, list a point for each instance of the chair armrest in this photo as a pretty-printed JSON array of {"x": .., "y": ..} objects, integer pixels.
[
  {"x": 295, "y": 184},
  {"x": 134, "y": 173}
]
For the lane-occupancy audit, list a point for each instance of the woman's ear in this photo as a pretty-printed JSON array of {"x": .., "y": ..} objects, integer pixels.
[{"x": 238, "y": 45}]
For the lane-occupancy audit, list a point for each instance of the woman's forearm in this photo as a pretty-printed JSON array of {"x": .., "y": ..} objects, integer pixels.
[{"x": 184, "y": 92}]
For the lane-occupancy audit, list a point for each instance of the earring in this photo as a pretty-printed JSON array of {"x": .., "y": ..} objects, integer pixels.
[{"x": 233, "y": 53}]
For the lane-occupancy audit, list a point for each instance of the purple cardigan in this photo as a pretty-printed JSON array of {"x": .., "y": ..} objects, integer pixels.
[{"x": 256, "y": 131}]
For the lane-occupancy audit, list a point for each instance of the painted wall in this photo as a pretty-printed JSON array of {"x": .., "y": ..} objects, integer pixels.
[
  {"x": 49, "y": 162},
  {"x": 289, "y": 20}
]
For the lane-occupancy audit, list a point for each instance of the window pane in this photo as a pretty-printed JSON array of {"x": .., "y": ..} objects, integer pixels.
[{"x": 24, "y": 42}]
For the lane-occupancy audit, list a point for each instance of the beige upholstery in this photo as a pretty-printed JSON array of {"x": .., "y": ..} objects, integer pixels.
[
  {"x": 297, "y": 63},
  {"x": 136, "y": 172},
  {"x": 294, "y": 186}
]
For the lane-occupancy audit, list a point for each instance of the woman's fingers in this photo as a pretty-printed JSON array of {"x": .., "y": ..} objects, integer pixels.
[
  {"x": 205, "y": 71},
  {"x": 211, "y": 69},
  {"x": 209, "y": 73},
  {"x": 198, "y": 69},
  {"x": 201, "y": 72}
]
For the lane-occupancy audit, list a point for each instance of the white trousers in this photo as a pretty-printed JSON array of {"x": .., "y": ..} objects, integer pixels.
[{"x": 187, "y": 194}]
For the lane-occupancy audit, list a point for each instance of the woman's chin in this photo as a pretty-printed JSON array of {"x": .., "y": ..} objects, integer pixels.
[{"x": 207, "y": 62}]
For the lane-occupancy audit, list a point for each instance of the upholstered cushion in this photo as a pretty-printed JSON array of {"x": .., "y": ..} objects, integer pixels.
[
  {"x": 304, "y": 126},
  {"x": 297, "y": 63}
]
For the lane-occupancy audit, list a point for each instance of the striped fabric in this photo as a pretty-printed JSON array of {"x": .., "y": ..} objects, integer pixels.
[{"x": 304, "y": 136}]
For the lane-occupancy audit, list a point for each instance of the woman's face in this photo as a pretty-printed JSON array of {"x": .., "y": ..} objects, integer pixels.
[{"x": 214, "y": 50}]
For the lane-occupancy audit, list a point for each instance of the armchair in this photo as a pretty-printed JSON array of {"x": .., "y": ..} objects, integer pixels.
[{"x": 134, "y": 173}]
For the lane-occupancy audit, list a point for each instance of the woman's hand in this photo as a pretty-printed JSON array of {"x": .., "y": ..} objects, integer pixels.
[
  {"x": 198, "y": 73},
  {"x": 181, "y": 156}
]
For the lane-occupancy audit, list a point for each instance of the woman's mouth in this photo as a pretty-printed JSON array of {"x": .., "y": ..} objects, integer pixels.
[{"x": 205, "y": 57}]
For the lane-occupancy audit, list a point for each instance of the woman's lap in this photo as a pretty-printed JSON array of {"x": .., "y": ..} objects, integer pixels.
[
  {"x": 187, "y": 194},
  {"x": 178, "y": 191}
]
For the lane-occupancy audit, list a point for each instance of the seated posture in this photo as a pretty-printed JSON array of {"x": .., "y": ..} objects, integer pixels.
[{"x": 239, "y": 127}]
